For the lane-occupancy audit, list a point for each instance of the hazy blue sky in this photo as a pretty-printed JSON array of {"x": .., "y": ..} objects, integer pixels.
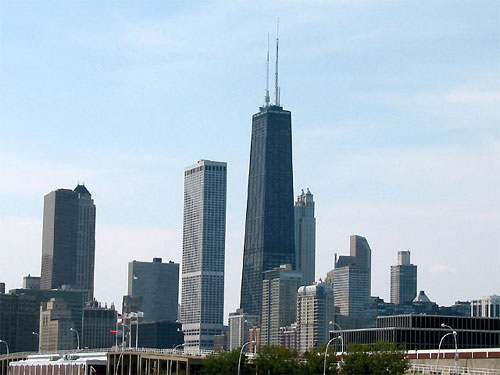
[{"x": 395, "y": 115}]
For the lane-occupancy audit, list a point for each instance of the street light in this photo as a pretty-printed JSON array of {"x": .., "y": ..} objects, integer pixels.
[
  {"x": 38, "y": 335},
  {"x": 7, "y": 345},
  {"x": 326, "y": 352},
  {"x": 172, "y": 358},
  {"x": 241, "y": 352},
  {"x": 439, "y": 349},
  {"x": 455, "y": 337},
  {"x": 340, "y": 334},
  {"x": 77, "y": 338}
]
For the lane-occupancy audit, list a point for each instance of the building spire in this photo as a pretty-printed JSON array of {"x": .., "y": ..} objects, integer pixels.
[
  {"x": 266, "y": 98},
  {"x": 276, "y": 87}
]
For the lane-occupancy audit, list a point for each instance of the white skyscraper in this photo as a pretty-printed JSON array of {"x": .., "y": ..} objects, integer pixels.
[
  {"x": 203, "y": 248},
  {"x": 305, "y": 237}
]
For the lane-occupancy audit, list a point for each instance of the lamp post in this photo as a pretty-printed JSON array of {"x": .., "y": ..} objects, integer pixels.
[
  {"x": 77, "y": 338},
  {"x": 241, "y": 352},
  {"x": 6, "y": 345},
  {"x": 326, "y": 352},
  {"x": 38, "y": 335},
  {"x": 455, "y": 338},
  {"x": 439, "y": 351},
  {"x": 340, "y": 334},
  {"x": 172, "y": 358}
]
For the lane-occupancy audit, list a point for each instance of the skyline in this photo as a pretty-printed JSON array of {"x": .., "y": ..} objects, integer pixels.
[{"x": 404, "y": 151}]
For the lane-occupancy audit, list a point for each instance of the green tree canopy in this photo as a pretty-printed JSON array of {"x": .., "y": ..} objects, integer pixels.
[
  {"x": 276, "y": 360},
  {"x": 222, "y": 363},
  {"x": 381, "y": 358},
  {"x": 314, "y": 360}
]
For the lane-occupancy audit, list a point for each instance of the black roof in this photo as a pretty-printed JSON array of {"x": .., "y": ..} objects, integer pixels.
[{"x": 81, "y": 189}]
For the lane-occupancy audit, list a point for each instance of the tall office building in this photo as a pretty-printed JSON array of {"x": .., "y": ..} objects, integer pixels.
[
  {"x": 269, "y": 226},
  {"x": 488, "y": 307},
  {"x": 403, "y": 280},
  {"x": 305, "y": 237},
  {"x": 315, "y": 311},
  {"x": 158, "y": 285},
  {"x": 239, "y": 325},
  {"x": 351, "y": 282},
  {"x": 279, "y": 302},
  {"x": 203, "y": 251},
  {"x": 68, "y": 240}
]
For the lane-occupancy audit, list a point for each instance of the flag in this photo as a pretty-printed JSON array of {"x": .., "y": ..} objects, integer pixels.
[{"x": 112, "y": 331}]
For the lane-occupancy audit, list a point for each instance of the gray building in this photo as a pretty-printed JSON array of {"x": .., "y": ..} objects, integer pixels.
[
  {"x": 19, "y": 317},
  {"x": 68, "y": 240},
  {"x": 488, "y": 306},
  {"x": 279, "y": 302},
  {"x": 403, "y": 280},
  {"x": 158, "y": 285},
  {"x": 239, "y": 325},
  {"x": 351, "y": 283},
  {"x": 315, "y": 311},
  {"x": 305, "y": 237},
  {"x": 55, "y": 326},
  {"x": 98, "y": 322},
  {"x": 203, "y": 252},
  {"x": 31, "y": 282}
]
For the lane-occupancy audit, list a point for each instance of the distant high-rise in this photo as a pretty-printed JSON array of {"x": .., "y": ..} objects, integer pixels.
[
  {"x": 203, "y": 251},
  {"x": 403, "y": 280},
  {"x": 239, "y": 325},
  {"x": 269, "y": 225},
  {"x": 279, "y": 302},
  {"x": 97, "y": 326},
  {"x": 315, "y": 311},
  {"x": 68, "y": 240},
  {"x": 158, "y": 285},
  {"x": 305, "y": 237},
  {"x": 488, "y": 306},
  {"x": 351, "y": 281}
]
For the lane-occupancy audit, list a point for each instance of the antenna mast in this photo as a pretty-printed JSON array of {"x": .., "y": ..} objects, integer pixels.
[
  {"x": 276, "y": 87},
  {"x": 266, "y": 99}
]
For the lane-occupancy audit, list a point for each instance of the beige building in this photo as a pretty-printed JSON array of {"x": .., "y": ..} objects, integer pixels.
[{"x": 55, "y": 325}]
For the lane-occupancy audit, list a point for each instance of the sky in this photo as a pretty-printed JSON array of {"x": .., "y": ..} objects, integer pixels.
[{"x": 395, "y": 119}]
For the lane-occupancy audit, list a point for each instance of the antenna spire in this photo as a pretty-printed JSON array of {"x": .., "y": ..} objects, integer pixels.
[
  {"x": 276, "y": 87},
  {"x": 266, "y": 98}
]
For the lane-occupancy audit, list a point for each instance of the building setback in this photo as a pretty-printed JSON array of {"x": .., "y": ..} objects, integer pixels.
[
  {"x": 315, "y": 311},
  {"x": 403, "y": 280},
  {"x": 203, "y": 252},
  {"x": 68, "y": 240},
  {"x": 279, "y": 302},
  {"x": 158, "y": 285},
  {"x": 305, "y": 237}
]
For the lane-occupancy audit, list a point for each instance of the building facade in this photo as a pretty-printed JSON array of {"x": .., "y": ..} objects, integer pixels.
[
  {"x": 55, "y": 326},
  {"x": 31, "y": 282},
  {"x": 98, "y": 322},
  {"x": 203, "y": 253},
  {"x": 19, "y": 317},
  {"x": 351, "y": 282},
  {"x": 158, "y": 285},
  {"x": 239, "y": 325},
  {"x": 403, "y": 280},
  {"x": 279, "y": 302},
  {"x": 269, "y": 226},
  {"x": 315, "y": 311},
  {"x": 160, "y": 334},
  {"x": 68, "y": 240},
  {"x": 486, "y": 307},
  {"x": 305, "y": 237}
]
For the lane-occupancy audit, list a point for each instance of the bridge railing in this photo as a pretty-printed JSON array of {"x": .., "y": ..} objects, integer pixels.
[{"x": 417, "y": 368}]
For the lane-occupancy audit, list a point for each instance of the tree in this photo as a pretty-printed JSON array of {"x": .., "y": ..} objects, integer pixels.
[
  {"x": 220, "y": 362},
  {"x": 276, "y": 360},
  {"x": 315, "y": 360},
  {"x": 381, "y": 358}
]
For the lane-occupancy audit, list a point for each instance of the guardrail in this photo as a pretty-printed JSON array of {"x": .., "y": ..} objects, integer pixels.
[{"x": 417, "y": 368}]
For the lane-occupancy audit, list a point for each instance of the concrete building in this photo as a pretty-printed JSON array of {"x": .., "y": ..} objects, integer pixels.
[
  {"x": 315, "y": 311},
  {"x": 239, "y": 325},
  {"x": 289, "y": 337},
  {"x": 403, "y": 280},
  {"x": 203, "y": 253},
  {"x": 279, "y": 302},
  {"x": 68, "y": 240},
  {"x": 488, "y": 307},
  {"x": 19, "y": 317},
  {"x": 269, "y": 224},
  {"x": 305, "y": 237},
  {"x": 221, "y": 341},
  {"x": 97, "y": 323},
  {"x": 31, "y": 282},
  {"x": 158, "y": 285},
  {"x": 55, "y": 326},
  {"x": 351, "y": 283},
  {"x": 132, "y": 304}
]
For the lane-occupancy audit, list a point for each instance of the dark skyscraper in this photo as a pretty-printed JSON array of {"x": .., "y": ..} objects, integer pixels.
[
  {"x": 68, "y": 240},
  {"x": 269, "y": 226}
]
